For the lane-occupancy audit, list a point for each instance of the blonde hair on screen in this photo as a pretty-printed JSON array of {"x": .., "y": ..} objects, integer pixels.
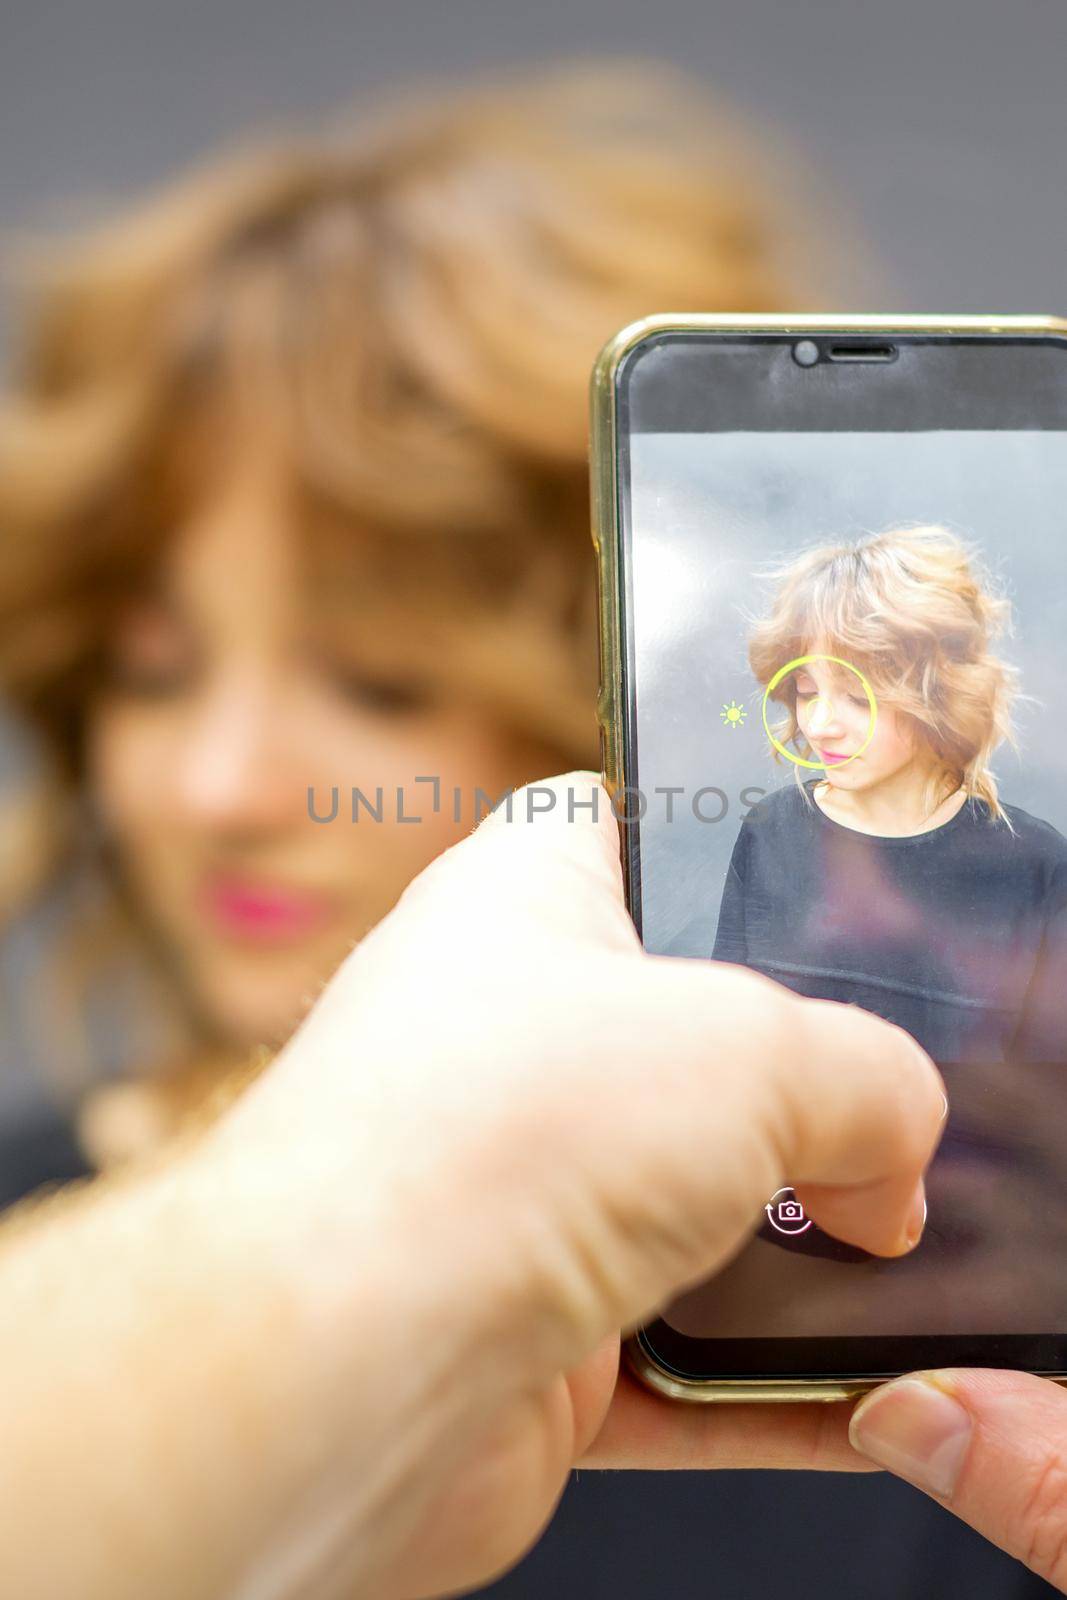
[{"x": 914, "y": 611}]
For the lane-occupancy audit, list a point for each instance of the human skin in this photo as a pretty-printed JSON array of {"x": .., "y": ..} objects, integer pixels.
[
  {"x": 352, "y": 1339},
  {"x": 226, "y": 702},
  {"x": 990, "y": 1446},
  {"x": 882, "y": 785}
]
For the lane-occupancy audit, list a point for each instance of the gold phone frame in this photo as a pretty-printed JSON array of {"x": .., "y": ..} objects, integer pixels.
[{"x": 610, "y": 711}]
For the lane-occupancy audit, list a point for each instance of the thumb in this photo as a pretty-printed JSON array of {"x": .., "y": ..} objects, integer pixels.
[
  {"x": 991, "y": 1446},
  {"x": 547, "y": 859},
  {"x": 629, "y": 1113}
]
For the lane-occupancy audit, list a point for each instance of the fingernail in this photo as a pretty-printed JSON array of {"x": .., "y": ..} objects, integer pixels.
[
  {"x": 916, "y": 1218},
  {"x": 944, "y": 1108},
  {"x": 916, "y": 1430}
]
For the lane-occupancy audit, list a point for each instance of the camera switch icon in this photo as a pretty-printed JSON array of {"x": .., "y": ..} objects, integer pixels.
[{"x": 786, "y": 1214}]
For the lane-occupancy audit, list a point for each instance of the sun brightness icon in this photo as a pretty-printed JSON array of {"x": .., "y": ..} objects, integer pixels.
[{"x": 733, "y": 715}]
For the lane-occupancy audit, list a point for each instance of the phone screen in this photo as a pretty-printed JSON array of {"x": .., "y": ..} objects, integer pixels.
[{"x": 843, "y": 612}]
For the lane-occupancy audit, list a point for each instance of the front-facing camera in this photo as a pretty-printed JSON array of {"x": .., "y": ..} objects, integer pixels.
[{"x": 805, "y": 352}]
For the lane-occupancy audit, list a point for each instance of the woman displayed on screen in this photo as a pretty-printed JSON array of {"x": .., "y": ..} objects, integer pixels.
[{"x": 891, "y": 874}]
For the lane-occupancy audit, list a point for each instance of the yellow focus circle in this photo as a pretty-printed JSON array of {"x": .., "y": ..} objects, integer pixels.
[{"x": 802, "y": 661}]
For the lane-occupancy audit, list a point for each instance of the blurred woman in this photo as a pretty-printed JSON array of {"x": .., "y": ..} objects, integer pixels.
[{"x": 293, "y": 486}]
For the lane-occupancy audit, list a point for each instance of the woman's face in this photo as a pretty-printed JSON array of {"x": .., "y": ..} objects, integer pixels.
[
  {"x": 222, "y": 711},
  {"x": 835, "y": 717}
]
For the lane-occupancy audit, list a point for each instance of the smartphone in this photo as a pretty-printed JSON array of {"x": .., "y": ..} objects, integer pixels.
[{"x": 833, "y": 608}]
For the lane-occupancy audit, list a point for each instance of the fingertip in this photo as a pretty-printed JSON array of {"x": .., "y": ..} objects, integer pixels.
[
  {"x": 576, "y": 797},
  {"x": 914, "y": 1221},
  {"x": 549, "y": 852},
  {"x": 886, "y": 1217},
  {"x": 915, "y": 1429}
]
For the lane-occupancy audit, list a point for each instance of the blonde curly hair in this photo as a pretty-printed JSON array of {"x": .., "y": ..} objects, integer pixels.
[{"x": 914, "y": 610}]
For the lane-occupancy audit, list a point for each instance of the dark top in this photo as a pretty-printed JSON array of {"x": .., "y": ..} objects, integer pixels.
[
  {"x": 759, "y": 1535},
  {"x": 958, "y": 935},
  {"x": 38, "y": 1150}
]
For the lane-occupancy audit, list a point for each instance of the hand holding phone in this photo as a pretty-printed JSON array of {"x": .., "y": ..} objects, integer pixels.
[
  {"x": 832, "y": 615},
  {"x": 377, "y": 1304},
  {"x": 473, "y": 1158}
]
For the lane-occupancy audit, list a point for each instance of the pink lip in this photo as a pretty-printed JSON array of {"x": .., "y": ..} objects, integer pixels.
[
  {"x": 265, "y": 913},
  {"x": 832, "y": 757}
]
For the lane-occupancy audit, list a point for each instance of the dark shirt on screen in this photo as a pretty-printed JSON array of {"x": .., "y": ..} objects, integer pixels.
[{"x": 958, "y": 934}]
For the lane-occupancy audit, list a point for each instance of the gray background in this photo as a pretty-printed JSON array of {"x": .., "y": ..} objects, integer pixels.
[
  {"x": 943, "y": 122},
  {"x": 708, "y": 510}
]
